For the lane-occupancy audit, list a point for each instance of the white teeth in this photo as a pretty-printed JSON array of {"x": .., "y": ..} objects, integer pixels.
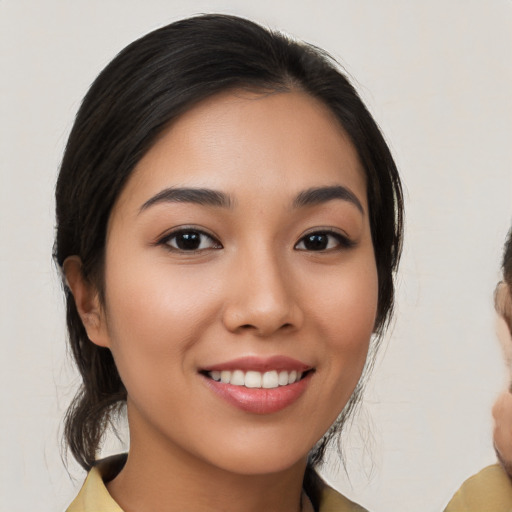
[
  {"x": 270, "y": 380},
  {"x": 237, "y": 378},
  {"x": 283, "y": 378},
  {"x": 251, "y": 379}
]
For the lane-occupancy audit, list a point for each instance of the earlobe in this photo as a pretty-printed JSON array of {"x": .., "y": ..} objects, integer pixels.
[{"x": 87, "y": 301}]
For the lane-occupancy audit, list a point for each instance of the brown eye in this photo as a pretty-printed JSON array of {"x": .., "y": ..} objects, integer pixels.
[
  {"x": 323, "y": 241},
  {"x": 316, "y": 242},
  {"x": 191, "y": 240}
]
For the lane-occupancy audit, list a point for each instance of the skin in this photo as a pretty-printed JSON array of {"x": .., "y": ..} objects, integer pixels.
[
  {"x": 255, "y": 290},
  {"x": 502, "y": 433},
  {"x": 502, "y": 408}
]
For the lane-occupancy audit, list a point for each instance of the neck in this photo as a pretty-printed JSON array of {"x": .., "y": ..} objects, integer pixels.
[{"x": 161, "y": 477}]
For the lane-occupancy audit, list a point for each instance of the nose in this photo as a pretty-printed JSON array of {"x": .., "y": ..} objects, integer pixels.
[{"x": 262, "y": 298}]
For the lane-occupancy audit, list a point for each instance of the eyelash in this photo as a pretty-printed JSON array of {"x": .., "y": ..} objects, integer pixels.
[
  {"x": 166, "y": 240},
  {"x": 342, "y": 241}
]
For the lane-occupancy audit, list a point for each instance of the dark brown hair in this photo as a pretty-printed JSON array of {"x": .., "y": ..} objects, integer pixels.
[
  {"x": 147, "y": 86},
  {"x": 503, "y": 294},
  {"x": 507, "y": 260}
]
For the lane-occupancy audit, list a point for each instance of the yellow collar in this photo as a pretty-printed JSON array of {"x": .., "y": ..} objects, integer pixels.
[{"x": 94, "y": 496}]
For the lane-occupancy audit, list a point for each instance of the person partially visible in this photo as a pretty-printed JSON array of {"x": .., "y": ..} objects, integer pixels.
[
  {"x": 502, "y": 409},
  {"x": 490, "y": 490}
]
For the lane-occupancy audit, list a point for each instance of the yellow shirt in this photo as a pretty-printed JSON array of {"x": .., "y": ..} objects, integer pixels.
[
  {"x": 94, "y": 497},
  {"x": 490, "y": 490}
]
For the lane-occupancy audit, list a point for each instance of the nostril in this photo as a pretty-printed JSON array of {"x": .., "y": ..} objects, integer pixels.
[{"x": 246, "y": 327}]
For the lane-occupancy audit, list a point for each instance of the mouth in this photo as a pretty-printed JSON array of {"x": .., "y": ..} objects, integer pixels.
[
  {"x": 257, "y": 380},
  {"x": 260, "y": 386}
]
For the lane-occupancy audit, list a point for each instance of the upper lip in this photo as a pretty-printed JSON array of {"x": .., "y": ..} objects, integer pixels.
[{"x": 260, "y": 364}]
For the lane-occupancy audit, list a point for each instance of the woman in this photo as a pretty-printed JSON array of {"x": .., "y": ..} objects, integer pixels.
[
  {"x": 491, "y": 488},
  {"x": 229, "y": 220}
]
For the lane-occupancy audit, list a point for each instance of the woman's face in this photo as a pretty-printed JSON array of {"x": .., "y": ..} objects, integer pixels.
[{"x": 240, "y": 250}]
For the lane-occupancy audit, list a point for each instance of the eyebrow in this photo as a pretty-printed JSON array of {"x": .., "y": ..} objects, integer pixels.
[
  {"x": 201, "y": 196},
  {"x": 319, "y": 195},
  {"x": 208, "y": 197}
]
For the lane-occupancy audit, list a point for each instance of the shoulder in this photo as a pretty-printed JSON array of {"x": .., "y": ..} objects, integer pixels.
[
  {"x": 325, "y": 498},
  {"x": 333, "y": 501},
  {"x": 489, "y": 490},
  {"x": 94, "y": 495}
]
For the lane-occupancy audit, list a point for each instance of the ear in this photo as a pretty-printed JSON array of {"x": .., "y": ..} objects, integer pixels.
[{"x": 87, "y": 301}]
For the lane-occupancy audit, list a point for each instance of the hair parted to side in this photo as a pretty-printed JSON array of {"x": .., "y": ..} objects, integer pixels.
[{"x": 146, "y": 87}]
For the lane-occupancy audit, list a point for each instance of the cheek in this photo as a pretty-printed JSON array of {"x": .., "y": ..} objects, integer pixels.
[
  {"x": 155, "y": 314},
  {"x": 345, "y": 308},
  {"x": 345, "y": 304},
  {"x": 346, "y": 313}
]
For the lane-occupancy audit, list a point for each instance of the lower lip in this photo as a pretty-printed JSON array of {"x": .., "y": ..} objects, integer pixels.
[{"x": 260, "y": 400}]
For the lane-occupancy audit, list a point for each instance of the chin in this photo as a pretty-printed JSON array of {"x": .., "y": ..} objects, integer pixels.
[
  {"x": 273, "y": 455},
  {"x": 269, "y": 464}
]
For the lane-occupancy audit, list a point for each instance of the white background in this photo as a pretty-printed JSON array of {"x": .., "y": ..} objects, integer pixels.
[{"x": 438, "y": 77}]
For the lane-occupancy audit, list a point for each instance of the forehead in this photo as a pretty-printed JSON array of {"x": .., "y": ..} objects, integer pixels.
[{"x": 257, "y": 141}]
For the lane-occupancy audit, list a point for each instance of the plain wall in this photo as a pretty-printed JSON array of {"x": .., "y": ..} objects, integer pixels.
[{"x": 437, "y": 75}]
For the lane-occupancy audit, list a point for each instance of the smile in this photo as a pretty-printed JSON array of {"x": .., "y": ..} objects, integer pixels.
[
  {"x": 259, "y": 385},
  {"x": 253, "y": 379}
]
